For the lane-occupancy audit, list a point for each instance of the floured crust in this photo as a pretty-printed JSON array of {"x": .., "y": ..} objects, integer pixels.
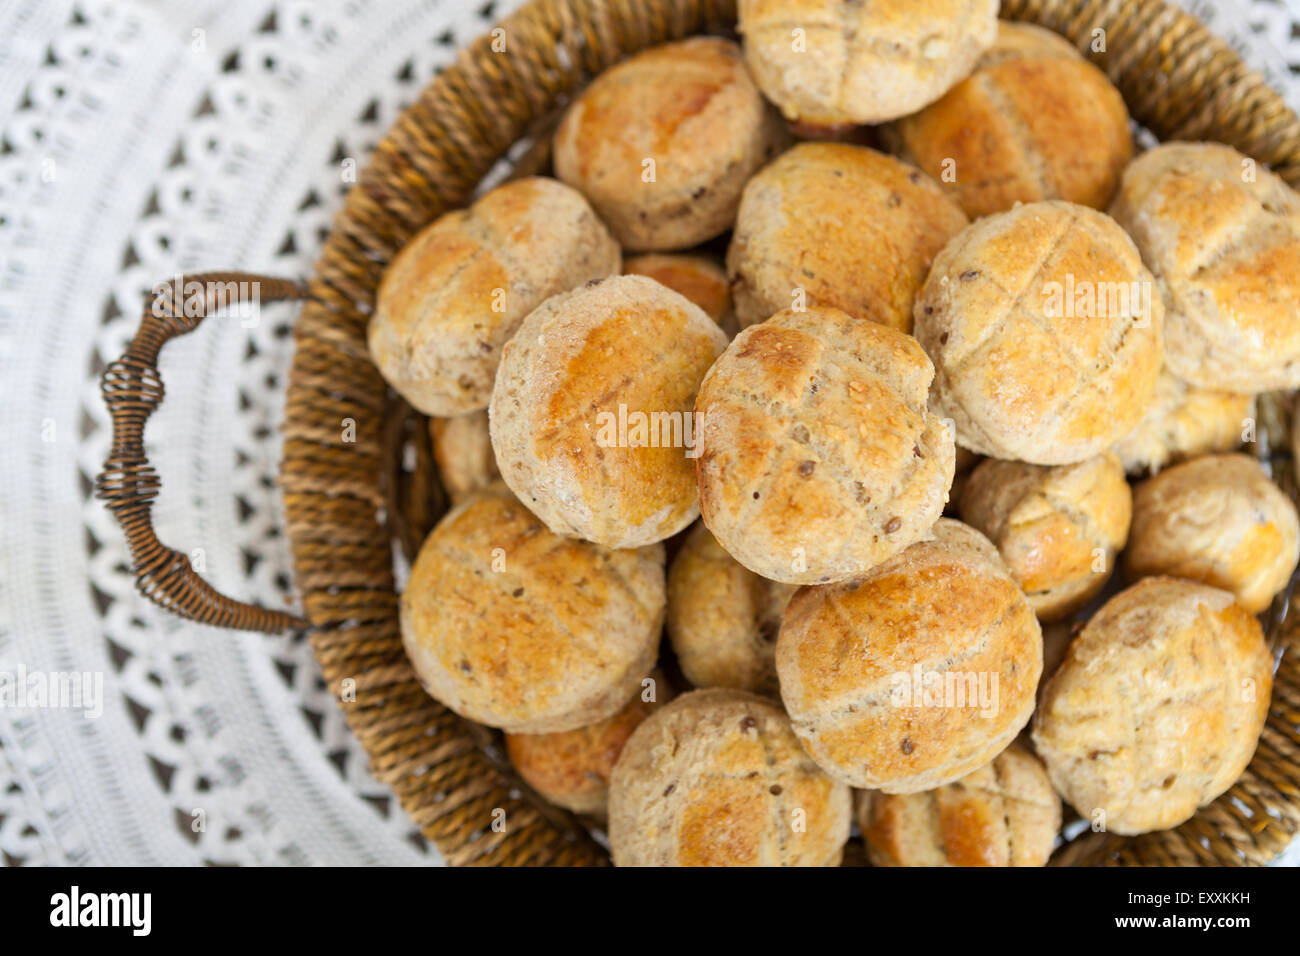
[
  {"x": 818, "y": 456},
  {"x": 555, "y": 413},
  {"x": 456, "y": 292},
  {"x": 862, "y": 62},
  {"x": 1003, "y": 814},
  {"x": 837, "y": 225},
  {"x": 692, "y": 109},
  {"x": 1157, "y": 707},
  {"x": 515, "y": 627},
  {"x": 1219, "y": 520},
  {"x": 1059, "y": 529},
  {"x": 1184, "y": 421},
  {"x": 847, "y": 652},
  {"x": 717, "y": 778},
  {"x": 1226, "y": 254},
  {"x": 1026, "y": 369}
]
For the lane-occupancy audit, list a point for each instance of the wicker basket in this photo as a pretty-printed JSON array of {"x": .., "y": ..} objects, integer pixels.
[{"x": 348, "y": 494}]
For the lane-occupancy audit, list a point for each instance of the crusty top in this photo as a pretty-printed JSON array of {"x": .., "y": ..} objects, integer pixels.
[
  {"x": 1183, "y": 420},
  {"x": 1026, "y": 40},
  {"x": 717, "y": 778},
  {"x": 851, "y": 227},
  {"x": 1045, "y": 332},
  {"x": 698, "y": 278}
]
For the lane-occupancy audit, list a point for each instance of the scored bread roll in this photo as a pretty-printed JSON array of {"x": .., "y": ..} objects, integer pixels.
[
  {"x": 512, "y": 626},
  {"x": 827, "y": 62},
  {"x": 916, "y": 673},
  {"x": 662, "y": 143},
  {"x": 818, "y": 458},
  {"x": 722, "y": 618},
  {"x": 837, "y": 225},
  {"x": 1219, "y": 520},
  {"x": 1005, "y": 813},
  {"x": 717, "y": 778},
  {"x": 1184, "y": 421},
  {"x": 1058, "y": 529},
  {"x": 462, "y": 448},
  {"x": 1222, "y": 237},
  {"x": 1157, "y": 707},
  {"x": 698, "y": 278},
  {"x": 1060, "y": 368},
  {"x": 591, "y": 415},
  {"x": 457, "y": 292}
]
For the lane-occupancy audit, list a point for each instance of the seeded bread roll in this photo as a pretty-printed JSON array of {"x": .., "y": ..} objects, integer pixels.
[
  {"x": 1023, "y": 129},
  {"x": 1222, "y": 236},
  {"x": 571, "y": 769},
  {"x": 829, "y": 62},
  {"x": 515, "y": 627},
  {"x": 1157, "y": 707},
  {"x": 1026, "y": 40},
  {"x": 1059, "y": 369},
  {"x": 818, "y": 457},
  {"x": 841, "y": 226},
  {"x": 722, "y": 618},
  {"x": 698, "y": 278},
  {"x": 662, "y": 143},
  {"x": 916, "y": 673},
  {"x": 462, "y": 448},
  {"x": 716, "y": 778},
  {"x": 1184, "y": 421},
  {"x": 591, "y": 416},
  {"x": 1219, "y": 520},
  {"x": 456, "y": 292},
  {"x": 1003, "y": 814},
  {"x": 1058, "y": 529}
]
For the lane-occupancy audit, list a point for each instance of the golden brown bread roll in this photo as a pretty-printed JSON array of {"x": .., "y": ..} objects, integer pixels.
[
  {"x": 829, "y": 62},
  {"x": 717, "y": 778},
  {"x": 1184, "y": 421},
  {"x": 1026, "y": 40},
  {"x": 515, "y": 627},
  {"x": 462, "y": 447},
  {"x": 1157, "y": 707},
  {"x": 455, "y": 294},
  {"x": 1022, "y": 129},
  {"x": 1003, "y": 814},
  {"x": 722, "y": 618},
  {"x": 837, "y": 225},
  {"x": 818, "y": 458},
  {"x": 698, "y": 278},
  {"x": 1222, "y": 236},
  {"x": 1219, "y": 520},
  {"x": 662, "y": 143},
  {"x": 916, "y": 673},
  {"x": 572, "y": 768},
  {"x": 591, "y": 415},
  {"x": 1058, "y": 369},
  {"x": 1058, "y": 529}
]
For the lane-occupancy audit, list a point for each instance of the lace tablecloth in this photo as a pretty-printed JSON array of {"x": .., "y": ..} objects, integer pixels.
[{"x": 139, "y": 139}]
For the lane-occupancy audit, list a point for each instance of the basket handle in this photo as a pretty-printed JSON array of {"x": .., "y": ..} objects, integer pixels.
[{"x": 132, "y": 388}]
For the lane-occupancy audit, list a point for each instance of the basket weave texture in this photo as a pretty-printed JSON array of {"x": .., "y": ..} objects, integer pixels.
[{"x": 349, "y": 494}]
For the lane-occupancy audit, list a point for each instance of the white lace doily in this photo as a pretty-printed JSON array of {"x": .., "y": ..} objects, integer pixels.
[{"x": 139, "y": 139}]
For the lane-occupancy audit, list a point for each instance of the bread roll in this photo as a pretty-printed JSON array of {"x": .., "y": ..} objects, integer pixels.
[
  {"x": 698, "y": 278},
  {"x": 828, "y": 62},
  {"x": 818, "y": 458},
  {"x": 662, "y": 143},
  {"x": 916, "y": 673},
  {"x": 841, "y": 226},
  {"x": 1184, "y": 421},
  {"x": 1219, "y": 520},
  {"x": 1022, "y": 129},
  {"x": 722, "y": 618},
  {"x": 571, "y": 769},
  {"x": 456, "y": 292},
  {"x": 515, "y": 627},
  {"x": 1157, "y": 707},
  {"x": 1222, "y": 236},
  {"x": 1058, "y": 529},
  {"x": 462, "y": 448},
  {"x": 1063, "y": 366},
  {"x": 716, "y": 778},
  {"x": 1003, "y": 814},
  {"x": 1015, "y": 40},
  {"x": 591, "y": 414}
]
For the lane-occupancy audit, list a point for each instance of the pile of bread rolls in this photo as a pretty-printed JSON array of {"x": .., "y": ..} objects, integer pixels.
[{"x": 774, "y": 456}]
